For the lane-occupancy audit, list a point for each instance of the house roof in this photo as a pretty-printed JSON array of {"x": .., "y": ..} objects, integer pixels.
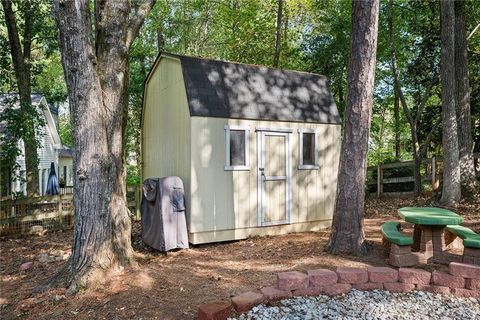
[
  {"x": 241, "y": 91},
  {"x": 11, "y": 100},
  {"x": 65, "y": 152}
]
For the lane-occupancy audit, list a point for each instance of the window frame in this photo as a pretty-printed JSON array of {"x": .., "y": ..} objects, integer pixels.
[
  {"x": 302, "y": 166},
  {"x": 246, "y": 131}
]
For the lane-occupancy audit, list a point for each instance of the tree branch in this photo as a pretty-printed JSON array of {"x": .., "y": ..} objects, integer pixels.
[
  {"x": 137, "y": 20},
  {"x": 13, "y": 38},
  {"x": 473, "y": 31},
  {"x": 27, "y": 37},
  {"x": 424, "y": 99},
  {"x": 424, "y": 148}
]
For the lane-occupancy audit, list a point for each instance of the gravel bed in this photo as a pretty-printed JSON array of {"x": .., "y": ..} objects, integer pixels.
[{"x": 374, "y": 304}]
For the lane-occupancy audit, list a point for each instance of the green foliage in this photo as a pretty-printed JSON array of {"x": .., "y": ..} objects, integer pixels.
[
  {"x": 315, "y": 38},
  {"x": 65, "y": 130},
  {"x": 17, "y": 122},
  {"x": 46, "y": 76},
  {"x": 326, "y": 44},
  {"x": 50, "y": 81},
  {"x": 133, "y": 175}
]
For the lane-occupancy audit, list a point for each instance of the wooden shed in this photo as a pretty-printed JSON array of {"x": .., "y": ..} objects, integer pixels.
[{"x": 257, "y": 147}]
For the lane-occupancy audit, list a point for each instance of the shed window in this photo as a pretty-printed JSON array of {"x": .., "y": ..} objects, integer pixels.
[
  {"x": 308, "y": 149},
  {"x": 236, "y": 147}
]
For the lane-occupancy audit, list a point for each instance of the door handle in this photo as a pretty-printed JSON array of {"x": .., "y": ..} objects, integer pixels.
[{"x": 262, "y": 172}]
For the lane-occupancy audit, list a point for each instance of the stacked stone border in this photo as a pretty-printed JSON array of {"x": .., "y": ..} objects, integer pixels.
[{"x": 461, "y": 280}]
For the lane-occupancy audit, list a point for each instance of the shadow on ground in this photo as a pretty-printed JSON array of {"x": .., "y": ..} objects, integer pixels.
[{"x": 173, "y": 285}]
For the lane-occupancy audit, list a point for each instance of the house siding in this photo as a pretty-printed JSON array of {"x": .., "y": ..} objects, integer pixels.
[
  {"x": 68, "y": 163},
  {"x": 166, "y": 125},
  {"x": 227, "y": 200},
  {"x": 46, "y": 155}
]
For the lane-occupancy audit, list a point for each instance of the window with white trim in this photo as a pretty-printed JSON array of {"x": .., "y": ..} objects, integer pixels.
[
  {"x": 308, "y": 151},
  {"x": 236, "y": 148}
]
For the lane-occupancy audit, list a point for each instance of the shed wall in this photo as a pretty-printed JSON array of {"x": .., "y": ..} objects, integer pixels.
[
  {"x": 227, "y": 200},
  {"x": 166, "y": 125}
]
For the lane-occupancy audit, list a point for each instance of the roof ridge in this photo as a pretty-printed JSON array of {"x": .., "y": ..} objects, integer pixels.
[{"x": 239, "y": 63}]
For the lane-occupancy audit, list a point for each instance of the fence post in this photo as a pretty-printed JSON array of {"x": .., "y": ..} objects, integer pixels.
[
  {"x": 61, "y": 219},
  {"x": 137, "y": 203},
  {"x": 434, "y": 174},
  {"x": 379, "y": 180}
]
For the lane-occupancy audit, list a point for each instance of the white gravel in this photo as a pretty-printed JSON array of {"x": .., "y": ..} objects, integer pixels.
[{"x": 374, "y": 304}]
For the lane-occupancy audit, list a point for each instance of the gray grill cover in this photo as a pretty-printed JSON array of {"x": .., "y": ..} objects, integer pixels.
[{"x": 163, "y": 214}]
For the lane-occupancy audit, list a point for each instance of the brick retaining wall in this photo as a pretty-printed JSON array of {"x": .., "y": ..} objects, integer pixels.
[{"x": 462, "y": 280}]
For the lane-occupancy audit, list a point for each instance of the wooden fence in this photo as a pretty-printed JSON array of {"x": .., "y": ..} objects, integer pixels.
[
  {"x": 431, "y": 172},
  {"x": 48, "y": 213},
  {"x": 65, "y": 190},
  {"x": 36, "y": 215}
]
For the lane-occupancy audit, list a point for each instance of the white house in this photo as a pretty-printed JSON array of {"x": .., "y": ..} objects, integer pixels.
[{"x": 50, "y": 151}]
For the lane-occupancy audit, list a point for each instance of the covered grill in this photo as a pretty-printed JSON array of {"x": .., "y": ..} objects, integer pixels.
[{"x": 163, "y": 213}]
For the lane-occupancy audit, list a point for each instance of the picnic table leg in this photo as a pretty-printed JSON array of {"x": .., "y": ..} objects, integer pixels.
[
  {"x": 439, "y": 246},
  {"x": 417, "y": 238}
]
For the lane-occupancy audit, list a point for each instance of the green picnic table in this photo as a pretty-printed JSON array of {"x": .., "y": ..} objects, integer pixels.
[
  {"x": 429, "y": 216},
  {"x": 429, "y": 224}
]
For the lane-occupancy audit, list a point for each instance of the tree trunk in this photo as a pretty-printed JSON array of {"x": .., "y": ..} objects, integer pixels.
[
  {"x": 396, "y": 116},
  {"x": 347, "y": 234},
  {"x": 278, "y": 35},
  {"x": 465, "y": 145},
  {"x": 21, "y": 66},
  {"x": 160, "y": 41},
  {"x": 451, "y": 192},
  {"x": 417, "y": 164},
  {"x": 96, "y": 72},
  {"x": 418, "y": 150}
]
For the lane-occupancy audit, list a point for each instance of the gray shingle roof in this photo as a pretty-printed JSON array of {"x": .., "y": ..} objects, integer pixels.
[
  {"x": 233, "y": 90},
  {"x": 6, "y": 99}
]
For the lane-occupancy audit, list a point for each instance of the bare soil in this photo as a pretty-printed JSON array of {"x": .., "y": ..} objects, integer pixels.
[{"x": 173, "y": 285}]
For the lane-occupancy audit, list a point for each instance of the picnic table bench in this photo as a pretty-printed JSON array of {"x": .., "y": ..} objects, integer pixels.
[
  {"x": 397, "y": 245},
  {"x": 471, "y": 242},
  {"x": 391, "y": 232}
]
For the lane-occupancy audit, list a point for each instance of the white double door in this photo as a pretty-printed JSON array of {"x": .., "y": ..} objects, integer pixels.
[{"x": 274, "y": 177}]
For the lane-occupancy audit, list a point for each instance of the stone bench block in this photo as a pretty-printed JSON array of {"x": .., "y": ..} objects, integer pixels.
[
  {"x": 472, "y": 284},
  {"x": 368, "y": 286},
  {"x": 292, "y": 280},
  {"x": 464, "y": 270},
  {"x": 398, "y": 287},
  {"x": 336, "y": 289},
  {"x": 433, "y": 288},
  {"x": 414, "y": 276},
  {"x": 215, "y": 311},
  {"x": 321, "y": 277},
  {"x": 352, "y": 275},
  {"x": 274, "y": 294},
  {"x": 310, "y": 291},
  {"x": 247, "y": 301},
  {"x": 459, "y": 292},
  {"x": 382, "y": 274},
  {"x": 447, "y": 280}
]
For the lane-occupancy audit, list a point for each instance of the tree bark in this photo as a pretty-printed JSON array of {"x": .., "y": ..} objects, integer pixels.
[
  {"x": 96, "y": 72},
  {"x": 451, "y": 192},
  {"x": 347, "y": 234},
  {"x": 21, "y": 66},
  {"x": 465, "y": 144},
  {"x": 278, "y": 34}
]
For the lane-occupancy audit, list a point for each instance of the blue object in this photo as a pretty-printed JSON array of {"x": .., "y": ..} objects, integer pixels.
[{"x": 52, "y": 183}]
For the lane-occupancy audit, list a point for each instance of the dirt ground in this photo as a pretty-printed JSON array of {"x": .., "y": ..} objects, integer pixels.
[{"x": 172, "y": 286}]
